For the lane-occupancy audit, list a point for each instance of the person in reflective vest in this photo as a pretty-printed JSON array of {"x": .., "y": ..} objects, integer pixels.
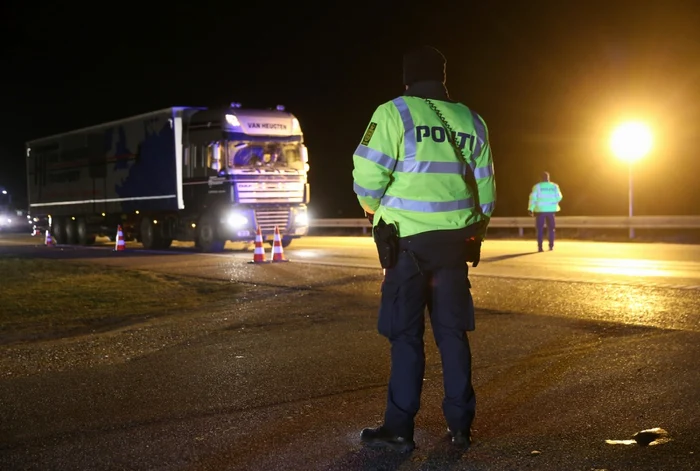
[
  {"x": 408, "y": 176},
  {"x": 544, "y": 204}
]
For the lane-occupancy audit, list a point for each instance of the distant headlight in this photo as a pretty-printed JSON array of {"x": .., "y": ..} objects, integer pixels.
[
  {"x": 301, "y": 219},
  {"x": 237, "y": 220}
]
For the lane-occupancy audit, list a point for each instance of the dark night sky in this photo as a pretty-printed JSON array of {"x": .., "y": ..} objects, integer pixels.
[{"x": 550, "y": 79}]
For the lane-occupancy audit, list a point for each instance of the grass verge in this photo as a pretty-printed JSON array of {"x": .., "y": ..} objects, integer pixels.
[{"x": 41, "y": 299}]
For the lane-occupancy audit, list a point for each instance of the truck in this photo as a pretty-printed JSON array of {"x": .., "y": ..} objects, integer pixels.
[{"x": 198, "y": 174}]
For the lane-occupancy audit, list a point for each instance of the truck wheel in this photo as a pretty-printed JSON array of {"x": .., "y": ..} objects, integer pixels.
[
  {"x": 149, "y": 236},
  {"x": 58, "y": 230},
  {"x": 207, "y": 239},
  {"x": 71, "y": 232},
  {"x": 84, "y": 237}
]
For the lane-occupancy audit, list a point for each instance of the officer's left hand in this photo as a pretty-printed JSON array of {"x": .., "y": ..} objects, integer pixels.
[
  {"x": 530, "y": 213},
  {"x": 474, "y": 250},
  {"x": 370, "y": 217}
]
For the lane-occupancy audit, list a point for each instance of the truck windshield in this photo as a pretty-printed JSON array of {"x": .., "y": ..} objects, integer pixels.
[{"x": 249, "y": 154}]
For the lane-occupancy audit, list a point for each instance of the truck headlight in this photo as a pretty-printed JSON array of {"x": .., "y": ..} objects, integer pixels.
[
  {"x": 237, "y": 220},
  {"x": 301, "y": 219}
]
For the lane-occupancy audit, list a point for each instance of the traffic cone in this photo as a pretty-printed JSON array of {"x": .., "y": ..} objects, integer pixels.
[
  {"x": 277, "y": 251},
  {"x": 259, "y": 254},
  {"x": 49, "y": 240},
  {"x": 119, "y": 245}
]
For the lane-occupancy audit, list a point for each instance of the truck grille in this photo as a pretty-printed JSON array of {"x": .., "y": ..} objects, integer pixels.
[
  {"x": 267, "y": 219},
  {"x": 270, "y": 190}
]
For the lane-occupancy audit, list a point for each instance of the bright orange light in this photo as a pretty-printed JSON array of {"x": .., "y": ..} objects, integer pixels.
[{"x": 631, "y": 141}]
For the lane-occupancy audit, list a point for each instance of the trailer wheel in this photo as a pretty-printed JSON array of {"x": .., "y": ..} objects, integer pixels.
[
  {"x": 84, "y": 237},
  {"x": 149, "y": 236},
  {"x": 71, "y": 232},
  {"x": 58, "y": 230},
  {"x": 207, "y": 239}
]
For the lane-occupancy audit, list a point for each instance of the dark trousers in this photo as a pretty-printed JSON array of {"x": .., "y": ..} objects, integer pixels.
[
  {"x": 407, "y": 290},
  {"x": 551, "y": 227}
]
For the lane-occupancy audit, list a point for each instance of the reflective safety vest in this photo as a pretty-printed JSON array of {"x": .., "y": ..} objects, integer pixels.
[
  {"x": 545, "y": 198},
  {"x": 407, "y": 173}
]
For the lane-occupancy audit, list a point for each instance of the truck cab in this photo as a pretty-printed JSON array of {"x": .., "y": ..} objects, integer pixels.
[{"x": 245, "y": 169}]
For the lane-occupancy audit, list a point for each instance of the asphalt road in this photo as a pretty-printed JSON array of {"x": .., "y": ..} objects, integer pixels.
[{"x": 589, "y": 343}]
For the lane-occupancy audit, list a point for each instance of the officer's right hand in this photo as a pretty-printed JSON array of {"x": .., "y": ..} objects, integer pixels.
[
  {"x": 530, "y": 213},
  {"x": 474, "y": 250}
]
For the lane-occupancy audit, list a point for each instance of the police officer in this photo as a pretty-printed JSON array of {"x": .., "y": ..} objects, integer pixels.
[
  {"x": 424, "y": 175},
  {"x": 544, "y": 203}
]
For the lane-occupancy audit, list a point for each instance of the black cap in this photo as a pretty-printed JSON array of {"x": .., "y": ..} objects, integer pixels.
[{"x": 424, "y": 63}]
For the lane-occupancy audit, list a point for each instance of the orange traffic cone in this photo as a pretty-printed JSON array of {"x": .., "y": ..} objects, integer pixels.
[
  {"x": 49, "y": 240},
  {"x": 119, "y": 245},
  {"x": 277, "y": 252},
  {"x": 259, "y": 254}
]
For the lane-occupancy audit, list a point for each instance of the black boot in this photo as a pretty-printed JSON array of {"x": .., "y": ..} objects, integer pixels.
[
  {"x": 461, "y": 438},
  {"x": 381, "y": 437}
]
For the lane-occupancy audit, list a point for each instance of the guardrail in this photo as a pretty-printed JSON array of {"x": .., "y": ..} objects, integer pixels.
[{"x": 563, "y": 222}]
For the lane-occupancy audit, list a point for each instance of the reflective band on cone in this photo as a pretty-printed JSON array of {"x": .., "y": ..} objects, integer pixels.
[
  {"x": 259, "y": 254},
  {"x": 120, "y": 245},
  {"x": 277, "y": 251}
]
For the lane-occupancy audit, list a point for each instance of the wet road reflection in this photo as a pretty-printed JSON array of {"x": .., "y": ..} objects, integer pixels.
[{"x": 649, "y": 437}]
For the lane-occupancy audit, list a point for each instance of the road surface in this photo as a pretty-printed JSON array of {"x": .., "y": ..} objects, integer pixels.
[{"x": 589, "y": 343}]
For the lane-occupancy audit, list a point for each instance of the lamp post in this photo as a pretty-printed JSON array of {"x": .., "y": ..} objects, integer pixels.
[{"x": 630, "y": 142}]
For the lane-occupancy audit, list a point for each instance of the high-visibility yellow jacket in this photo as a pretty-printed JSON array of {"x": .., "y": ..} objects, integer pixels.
[
  {"x": 406, "y": 171},
  {"x": 545, "y": 198}
]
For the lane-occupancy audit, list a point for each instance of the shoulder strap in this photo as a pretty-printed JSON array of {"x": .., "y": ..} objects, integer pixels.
[{"x": 469, "y": 177}]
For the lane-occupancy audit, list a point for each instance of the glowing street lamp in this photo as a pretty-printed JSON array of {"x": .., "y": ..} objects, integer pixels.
[{"x": 630, "y": 142}]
